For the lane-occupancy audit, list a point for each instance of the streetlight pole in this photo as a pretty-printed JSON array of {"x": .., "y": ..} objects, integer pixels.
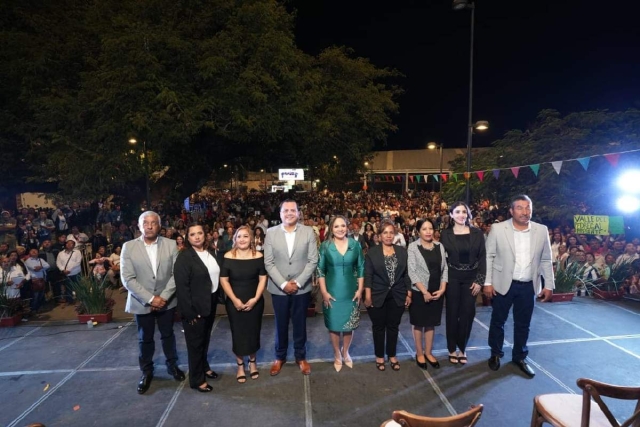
[
  {"x": 461, "y": 5},
  {"x": 433, "y": 146},
  {"x": 146, "y": 170}
]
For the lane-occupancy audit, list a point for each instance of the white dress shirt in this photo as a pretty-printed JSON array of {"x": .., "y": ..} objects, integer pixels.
[
  {"x": 290, "y": 237},
  {"x": 522, "y": 270}
]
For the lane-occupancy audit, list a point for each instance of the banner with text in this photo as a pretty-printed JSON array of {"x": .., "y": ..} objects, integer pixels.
[{"x": 591, "y": 224}]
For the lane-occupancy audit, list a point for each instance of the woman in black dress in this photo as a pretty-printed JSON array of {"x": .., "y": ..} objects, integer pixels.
[
  {"x": 428, "y": 272},
  {"x": 243, "y": 279},
  {"x": 467, "y": 261},
  {"x": 387, "y": 293},
  {"x": 196, "y": 273}
]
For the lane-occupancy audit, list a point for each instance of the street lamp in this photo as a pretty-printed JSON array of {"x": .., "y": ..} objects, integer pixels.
[
  {"x": 432, "y": 146},
  {"x": 462, "y": 5},
  {"x": 133, "y": 141},
  {"x": 365, "y": 176}
]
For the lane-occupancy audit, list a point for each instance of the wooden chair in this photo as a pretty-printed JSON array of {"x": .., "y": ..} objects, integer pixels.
[
  {"x": 570, "y": 410},
  {"x": 406, "y": 419}
]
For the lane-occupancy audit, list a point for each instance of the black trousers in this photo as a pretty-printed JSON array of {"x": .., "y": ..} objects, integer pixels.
[
  {"x": 521, "y": 297},
  {"x": 291, "y": 308},
  {"x": 461, "y": 308},
  {"x": 385, "y": 321},
  {"x": 146, "y": 343},
  {"x": 197, "y": 337}
]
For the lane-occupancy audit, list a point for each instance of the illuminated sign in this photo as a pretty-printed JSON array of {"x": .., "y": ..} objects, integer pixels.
[{"x": 291, "y": 174}]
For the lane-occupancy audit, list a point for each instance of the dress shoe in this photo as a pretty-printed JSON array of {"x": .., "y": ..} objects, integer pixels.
[
  {"x": 176, "y": 373},
  {"x": 421, "y": 365},
  {"x": 305, "y": 368},
  {"x": 213, "y": 375},
  {"x": 205, "y": 389},
  {"x": 524, "y": 367},
  {"x": 276, "y": 367},
  {"x": 494, "y": 363},
  {"x": 337, "y": 365},
  {"x": 347, "y": 359},
  {"x": 144, "y": 383},
  {"x": 435, "y": 364}
]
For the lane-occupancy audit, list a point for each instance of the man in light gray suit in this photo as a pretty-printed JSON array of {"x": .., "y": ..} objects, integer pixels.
[
  {"x": 290, "y": 257},
  {"x": 146, "y": 269},
  {"x": 518, "y": 257}
]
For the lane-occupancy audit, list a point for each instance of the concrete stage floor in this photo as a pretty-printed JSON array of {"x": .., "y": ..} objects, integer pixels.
[{"x": 61, "y": 373}]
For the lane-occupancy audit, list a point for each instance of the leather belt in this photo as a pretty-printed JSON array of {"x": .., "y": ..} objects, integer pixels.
[{"x": 518, "y": 282}]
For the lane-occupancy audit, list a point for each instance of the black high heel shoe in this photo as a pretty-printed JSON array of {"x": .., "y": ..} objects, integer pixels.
[
  {"x": 435, "y": 364},
  {"x": 421, "y": 365}
]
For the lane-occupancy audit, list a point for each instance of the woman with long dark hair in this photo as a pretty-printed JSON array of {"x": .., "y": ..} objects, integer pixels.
[
  {"x": 466, "y": 258},
  {"x": 196, "y": 273}
]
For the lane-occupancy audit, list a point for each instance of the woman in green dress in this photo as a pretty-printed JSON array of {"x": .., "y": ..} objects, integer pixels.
[{"x": 341, "y": 279}]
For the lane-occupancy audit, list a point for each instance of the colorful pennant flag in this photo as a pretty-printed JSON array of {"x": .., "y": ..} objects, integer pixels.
[
  {"x": 411, "y": 178},
  {"x": 496, "y": 173},
  {"x": 535, "y": 168},
  {"x": 436, "y": 178},
  {"x": 515, "y": 170},
  {"x": 613, "y": 158},
  {"x": 467, "y": 175},
  {"x": 444, "y": 177},
  {"x": 418, "y": 178},
  {"x": 584, "y": 161},
  {"x": 558, "y": 165},
  {"x": 480, "y": 175}
]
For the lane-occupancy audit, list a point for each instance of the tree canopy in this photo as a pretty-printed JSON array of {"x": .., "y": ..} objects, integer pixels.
[
  {"x": 202, "y": 83},
  {"x": 554, "y": 137}
]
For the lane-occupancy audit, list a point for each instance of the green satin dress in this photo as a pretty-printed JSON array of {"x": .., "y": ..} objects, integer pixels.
[{"x": 341, "y": 273}]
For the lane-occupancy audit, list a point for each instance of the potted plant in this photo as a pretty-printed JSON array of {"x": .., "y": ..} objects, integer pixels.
[
  {"x": 93, "y": 299},
  {"x": 10, "y": 308},
  {"x": 566, "y": 283},
  {"x": 611, "y": 287}
]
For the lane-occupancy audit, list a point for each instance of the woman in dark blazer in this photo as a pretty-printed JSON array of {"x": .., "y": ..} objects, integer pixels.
[
  {"x": 196, "y": 273},
  {"x": 387, "y": 293},
  {"x": 467, "y": 261}
]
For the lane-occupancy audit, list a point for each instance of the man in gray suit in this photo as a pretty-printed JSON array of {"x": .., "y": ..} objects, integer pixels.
[
  {"x": 290, "y": 257},
  {"x": 518, "y": 256},
  {"x": 146, "y": 270}
]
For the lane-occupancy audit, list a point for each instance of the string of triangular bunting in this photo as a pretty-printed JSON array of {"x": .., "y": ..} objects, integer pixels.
[{"x": 612, "y": 158}]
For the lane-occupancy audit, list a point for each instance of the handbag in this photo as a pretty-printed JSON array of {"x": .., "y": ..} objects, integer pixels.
[{"x": 37, "y": 285}]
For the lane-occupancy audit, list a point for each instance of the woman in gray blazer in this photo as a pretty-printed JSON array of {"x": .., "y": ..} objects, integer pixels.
[
  {"x": 387, "y": 293},
  {"x": 428, "y": 272}
]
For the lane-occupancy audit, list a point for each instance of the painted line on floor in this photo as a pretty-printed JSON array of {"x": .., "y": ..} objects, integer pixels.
[
  {"x": 23, "y": 337},
  {"x": 590, "y": 333},
  {"x": 620, "y": 308},
  {"x": 176, "y": 394},
  {"x": 432, "y": 382},
  {"x": 533, "y": 362},
  {"x": 67, "y": 378},
  {"x": 308, "y": 409},
  {"x": 172, "y": 403}
]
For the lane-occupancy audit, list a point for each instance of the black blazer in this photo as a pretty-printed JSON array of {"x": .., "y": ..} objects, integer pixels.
[
  {"x": 193, "y": 284},
  {"x": 376, "y": 278},
  {"x": 477, "y": 251}
]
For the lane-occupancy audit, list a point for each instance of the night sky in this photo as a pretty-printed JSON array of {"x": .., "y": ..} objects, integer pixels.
[{"x": 565, "y": 54}]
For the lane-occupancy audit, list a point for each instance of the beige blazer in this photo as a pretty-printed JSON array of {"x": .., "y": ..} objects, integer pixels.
[
  {"x": 501, "y": 257},
  {"x": 137, "y": 274}
]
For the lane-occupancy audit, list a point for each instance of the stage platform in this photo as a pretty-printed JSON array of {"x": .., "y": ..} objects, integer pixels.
[{"x": 61, "y": 373}]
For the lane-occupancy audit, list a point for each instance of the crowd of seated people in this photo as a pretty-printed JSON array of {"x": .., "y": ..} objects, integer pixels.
[{"x": 98, "y": 230}]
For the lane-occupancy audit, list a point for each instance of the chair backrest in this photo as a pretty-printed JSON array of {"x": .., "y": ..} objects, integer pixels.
[
  {"x": 592, "y": 389},
  {"x": 467, "y": 419}
]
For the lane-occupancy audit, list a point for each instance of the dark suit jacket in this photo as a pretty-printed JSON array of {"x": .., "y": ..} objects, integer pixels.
[
  {"x": 376, "y": 278},
  {"x": 193, "y": 285},
  {"x": 477, "y": 251}
]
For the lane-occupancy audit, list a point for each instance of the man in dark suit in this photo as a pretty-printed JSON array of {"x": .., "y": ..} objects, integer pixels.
[
  {"x": 290, "y": 257},
  {"x": 518, "y": 256},
  {"x": 146, "y": 270}
]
